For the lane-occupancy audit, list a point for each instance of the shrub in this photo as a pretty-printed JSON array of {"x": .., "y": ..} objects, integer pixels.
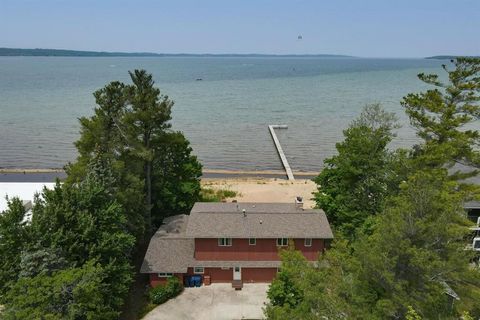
[
  {"x": 163, "y": 293},
  {"x": 213, "y": 195}
]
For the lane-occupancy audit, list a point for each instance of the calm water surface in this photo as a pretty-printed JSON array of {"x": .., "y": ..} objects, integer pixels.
[{"x": 225, "y": 116}]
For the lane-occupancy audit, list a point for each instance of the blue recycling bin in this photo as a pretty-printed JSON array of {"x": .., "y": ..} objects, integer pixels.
[
  {"x": 191, "y": 281},
  {"x": 198, "y": 281}
]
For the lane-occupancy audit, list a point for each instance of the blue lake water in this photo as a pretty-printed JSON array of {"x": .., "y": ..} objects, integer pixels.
[{"x": 225, "y": 116}]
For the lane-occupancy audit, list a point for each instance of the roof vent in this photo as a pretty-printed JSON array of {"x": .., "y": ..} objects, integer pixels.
[
  {"x": 244, "y": 212},
  {"x": 298, "y": 202}
]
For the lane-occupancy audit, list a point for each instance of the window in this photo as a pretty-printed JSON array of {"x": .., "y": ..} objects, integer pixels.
[
  {"x": 198, "y": 270},
  {"x": 308, "y": 242},
  {"x": 224, "y": 242},
  {"x": 252, "y": 241},
  {"x": 282, "y": 242},
  {"x": 476, "y": 243},
  {"x": 165, "y": 274}
]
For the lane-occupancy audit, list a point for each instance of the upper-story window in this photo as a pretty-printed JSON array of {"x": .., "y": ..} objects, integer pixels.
[
  {"x": 225, "y": 242},
  {"x": 282, "y": 242},
  {"x": 165, "y": 274},
  {"x": 308, "y": 242},
  {"x": 252, "y": 241}
]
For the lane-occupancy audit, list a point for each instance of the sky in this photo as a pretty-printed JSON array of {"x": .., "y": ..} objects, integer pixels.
[{"x": 365, "y": 28}]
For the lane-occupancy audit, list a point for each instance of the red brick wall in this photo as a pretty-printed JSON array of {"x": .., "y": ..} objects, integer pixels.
[
  {"x": 264, "y": 250},
  {"x": 155, "y": 280},
  {"x": 258, "y": 274},
  {"x": 219, "y": 275},
  {"x": 216, "y": 274}
]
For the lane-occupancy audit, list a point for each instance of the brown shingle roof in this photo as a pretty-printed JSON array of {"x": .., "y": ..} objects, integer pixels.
[
  {"x": 172, "y": 247},
  {"x": 168, "y": 255},
  {"x": 262, "y": 220}
]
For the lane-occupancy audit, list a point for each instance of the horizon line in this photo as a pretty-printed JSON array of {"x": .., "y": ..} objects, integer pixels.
[{"x": 8, "y": 51}]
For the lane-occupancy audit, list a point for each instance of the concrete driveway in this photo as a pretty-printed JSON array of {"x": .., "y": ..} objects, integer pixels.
[{"x": 218, "y": 301}]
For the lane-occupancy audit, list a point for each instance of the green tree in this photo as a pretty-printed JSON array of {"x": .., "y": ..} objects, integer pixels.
[
  {"x": 147, "y": 119},
  {"x": 131, "y": 127},
  {"x": 445, "y": 116},
  {"x": 41, "y": 261},
  {"x": 176, "y": 176},
  {"x": 14, "y": 237},
  {"x": 101, "y": 136},
  {"x": 285, "y": 293},
  {"x": 413, "y": 257},
  {"x": 86, "y": 223},
  {"x": 417, "y": 250},
  {"x": 74, "y": 293},
  {"x": 354, "y": 183},
  {"x": 155, "y": 172}
]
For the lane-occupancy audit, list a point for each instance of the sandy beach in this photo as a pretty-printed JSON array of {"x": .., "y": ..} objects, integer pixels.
[
  {"x": 265, "y": 189},
  {"x": 251, "y": 186}
]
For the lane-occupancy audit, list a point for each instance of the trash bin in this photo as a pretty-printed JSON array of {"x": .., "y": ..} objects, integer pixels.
[
  {"x": 198, "y": 281},
  {"x": 207, "y": 280},
  {"x": 191, "y": 281},
  {"x": 186, "y": 282}
]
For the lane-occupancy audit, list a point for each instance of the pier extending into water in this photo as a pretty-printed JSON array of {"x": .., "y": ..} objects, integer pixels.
[{"x": 272, "y": 128}]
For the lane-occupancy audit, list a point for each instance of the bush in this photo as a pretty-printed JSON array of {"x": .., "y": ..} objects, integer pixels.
[
  {"x": 214, "y": 195},
  {"x": 163, "y": 293}
]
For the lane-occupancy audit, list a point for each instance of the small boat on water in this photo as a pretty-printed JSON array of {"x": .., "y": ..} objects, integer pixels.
[{"x": 198, "y": 79}]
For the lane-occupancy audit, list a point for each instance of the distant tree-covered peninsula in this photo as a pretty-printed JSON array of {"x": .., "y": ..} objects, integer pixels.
[
  {"x": 449, "y": 57},
  {"x": 75, "y": 53}
]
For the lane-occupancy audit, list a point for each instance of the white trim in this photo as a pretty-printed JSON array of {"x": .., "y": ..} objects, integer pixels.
[
  {"x": 195, "y": 271},
  {"x": 227, "y": 242},
  {"x": 254, "y": 241},
  {"x": 305, "y": 242},
  {"x": 281, "y": 241}
]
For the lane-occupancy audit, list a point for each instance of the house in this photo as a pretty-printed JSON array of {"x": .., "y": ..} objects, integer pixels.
[
  {"x": 234, "y": 242},
  {"x": 25, "y": 191}
]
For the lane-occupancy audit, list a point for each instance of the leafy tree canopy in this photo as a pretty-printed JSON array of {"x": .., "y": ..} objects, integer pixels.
[
  {"x": 445, "y": 116},
  {"x": 355, "y": 182}
]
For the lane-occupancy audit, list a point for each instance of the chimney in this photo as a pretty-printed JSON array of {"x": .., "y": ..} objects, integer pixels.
[{"x": 299, "y": 202}]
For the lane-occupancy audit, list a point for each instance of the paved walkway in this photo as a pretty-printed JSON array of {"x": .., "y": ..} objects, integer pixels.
[{"x": 215, "y": 302}]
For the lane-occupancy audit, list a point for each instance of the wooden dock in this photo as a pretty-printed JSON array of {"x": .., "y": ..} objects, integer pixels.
[{"x": 288, "y": 170}]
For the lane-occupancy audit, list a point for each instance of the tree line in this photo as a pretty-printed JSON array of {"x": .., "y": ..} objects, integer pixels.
[
  {"x": 77, "y": 257},
  {"x": 400, "y": 228}
]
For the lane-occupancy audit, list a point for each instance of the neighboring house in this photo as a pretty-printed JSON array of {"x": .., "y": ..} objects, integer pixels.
[
  {"x": 472, "y": 208},
  {"x": 25, "y": 191},
  {"x": 234, "y": 242}
]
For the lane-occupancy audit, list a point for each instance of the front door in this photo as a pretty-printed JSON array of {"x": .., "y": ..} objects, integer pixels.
[{"x": 237, "y": 273}]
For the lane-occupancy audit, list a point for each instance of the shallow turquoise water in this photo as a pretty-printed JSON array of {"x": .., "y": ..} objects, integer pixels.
[{"x": 225, "y": 116}]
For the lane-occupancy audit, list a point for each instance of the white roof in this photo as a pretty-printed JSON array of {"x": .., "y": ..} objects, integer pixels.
[{"x": 23, "y": 190}]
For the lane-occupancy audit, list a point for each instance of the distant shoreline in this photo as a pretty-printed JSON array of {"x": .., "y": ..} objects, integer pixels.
[
  {"x": 50, "y": 175},
  {"x": 17, "y": 52}
]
